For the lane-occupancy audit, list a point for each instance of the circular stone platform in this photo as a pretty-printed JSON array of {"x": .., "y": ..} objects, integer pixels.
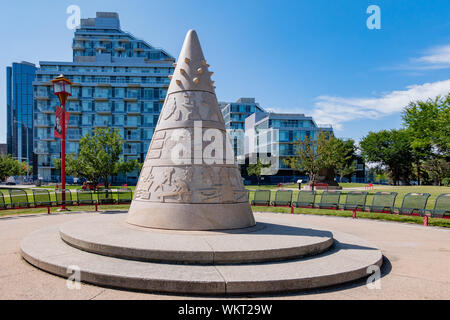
[
  {"x": 109, "y": 235},
  {"x": 348, "y": 259}
]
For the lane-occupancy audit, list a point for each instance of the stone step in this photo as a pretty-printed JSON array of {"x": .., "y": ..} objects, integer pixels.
[
  {"x": 347, "y": 260},
  {"x": 109, "y": 235}
]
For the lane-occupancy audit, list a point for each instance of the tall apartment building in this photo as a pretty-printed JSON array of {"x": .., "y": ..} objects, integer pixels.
[
  {"x": 19, "y": 109},
  {"x": 276, "y": 133},
  {"x": 120, "y": 82},
  {"x": 234, "y": 115}
]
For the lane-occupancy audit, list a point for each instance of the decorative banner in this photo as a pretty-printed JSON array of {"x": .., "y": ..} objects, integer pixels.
[{"x": 58, "y": 121}]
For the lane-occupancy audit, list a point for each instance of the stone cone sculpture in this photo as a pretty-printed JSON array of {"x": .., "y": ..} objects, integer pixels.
[{"x": 189, "y": 180}]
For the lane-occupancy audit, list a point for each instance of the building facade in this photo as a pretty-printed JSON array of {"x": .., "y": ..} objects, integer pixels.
[
  {"x": 234, "y": 115},
  {"x": 19, "y": 108},
  {"x": 275, "y": 134},
  {"x": 119, "y": 82}
]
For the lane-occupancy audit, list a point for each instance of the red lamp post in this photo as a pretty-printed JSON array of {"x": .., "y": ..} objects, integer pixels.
[{"x": 62, "y": 88}]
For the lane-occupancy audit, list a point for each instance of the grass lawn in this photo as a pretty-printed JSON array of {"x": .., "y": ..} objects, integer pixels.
[{"x": 4, "y": 213}]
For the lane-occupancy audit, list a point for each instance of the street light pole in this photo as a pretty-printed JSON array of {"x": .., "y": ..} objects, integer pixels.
[{"x": 62, "y": 88}]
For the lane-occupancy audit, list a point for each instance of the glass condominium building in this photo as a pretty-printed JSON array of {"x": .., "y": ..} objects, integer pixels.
[
  {"x": 19, "y": 109},
  {"x": 234, "y": 115},
  {"x": 119, "y": 82},
  {"x": 278, "y": 132}
]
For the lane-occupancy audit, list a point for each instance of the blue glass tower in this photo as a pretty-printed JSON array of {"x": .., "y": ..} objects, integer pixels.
[
  {"x": 120, "y": 82},
  {"x": 19, "y": 108}
]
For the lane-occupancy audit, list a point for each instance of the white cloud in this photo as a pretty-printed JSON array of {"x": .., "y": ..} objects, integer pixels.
[
  {"x": 337, "y": 110},
  {"x": 436, "y": 58}
]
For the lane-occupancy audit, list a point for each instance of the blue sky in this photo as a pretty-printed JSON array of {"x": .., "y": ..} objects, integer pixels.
[{"x": 314, "y": 57}]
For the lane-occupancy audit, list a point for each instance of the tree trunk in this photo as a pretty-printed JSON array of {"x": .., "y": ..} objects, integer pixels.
[{"x": 418, "y": 172}]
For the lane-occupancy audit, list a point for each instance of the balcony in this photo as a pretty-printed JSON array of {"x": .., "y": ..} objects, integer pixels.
[
  {"x": 134, "y": 136},
  {"x": 78, "y": 48},
  {"x": 74, "y": 136},
  {"x": 45, "y": 165},
  {"x": 120, "y": 49},
  {"x": 45, "y": 108},
  {"x": 103, "y": 109},
  {"x": 43, "y": 149},
  {"x": 102, "y": 123},
  {"x": 133, "y": 109},
  {"x": 131, "y": 124},
  {"x": 131, "y": 150},
  {"x": 74, "y": 122},
  {"x": 101, "y": 97},
  {"x": 73, "y": 108},
  {"x": 41, "y": 97},
  {"x": 46, "y": 137},
  {"x": 42, "y": 123}
]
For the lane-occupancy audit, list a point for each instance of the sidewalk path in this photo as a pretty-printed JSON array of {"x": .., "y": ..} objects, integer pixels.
[{"x": 416, "y": 265}]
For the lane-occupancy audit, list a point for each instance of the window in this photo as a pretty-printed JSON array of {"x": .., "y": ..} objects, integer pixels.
[
  {"x": 132, "y": 93},
  {"x": 119, "y": 106},
  {"x": 119, "y": 119},
  {"x": 86, "y": 106},
  {"x": 119, "y": 92},
  {"x": 148, "y": 93},
  {"x": 87, "y": 92},
  {"x": 86, "y": 120},
  {"x": 102, "y": 92}
]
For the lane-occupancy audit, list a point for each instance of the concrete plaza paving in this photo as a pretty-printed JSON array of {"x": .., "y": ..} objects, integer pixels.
[{"x": 417, "y": 260}]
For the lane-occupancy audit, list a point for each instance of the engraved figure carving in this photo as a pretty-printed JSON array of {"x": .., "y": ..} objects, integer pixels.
[
  {"x": 191, "y": 111},
  {"x": 166, "y": 179},
  {"x": 208, "y": 176},
  {"x": 180, "y": 191},
  {"x": 143, "y": 190},
  {"x": 208, "y": 104},
  {"x": 226, "y": 189}
]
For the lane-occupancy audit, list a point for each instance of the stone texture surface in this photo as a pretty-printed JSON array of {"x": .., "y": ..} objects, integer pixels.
[
  {"x": 189, "y": 180},
  {"x": 109, "y": 235},
  {"x": 346, "y": 261}
]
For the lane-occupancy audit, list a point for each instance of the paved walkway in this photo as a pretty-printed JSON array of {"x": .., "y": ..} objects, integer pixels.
[{"x": 417, "y": 262}]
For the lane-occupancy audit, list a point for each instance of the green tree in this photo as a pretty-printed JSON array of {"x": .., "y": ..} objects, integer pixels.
[
  {"x": 428, "y": 125},
  {"x": 437, "y": 169},
  {"x": 311, "y": 155},
  {"x": 256, "y": 168},
  {"x": 99, "y": 157},
  {"x": 10, "y": 167},
  {"x": 392, "y": 149},
  {"x": 346, "y": 169},
  {"x": 345, "y": 156},
  {"x": 325, "y": 152}
]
